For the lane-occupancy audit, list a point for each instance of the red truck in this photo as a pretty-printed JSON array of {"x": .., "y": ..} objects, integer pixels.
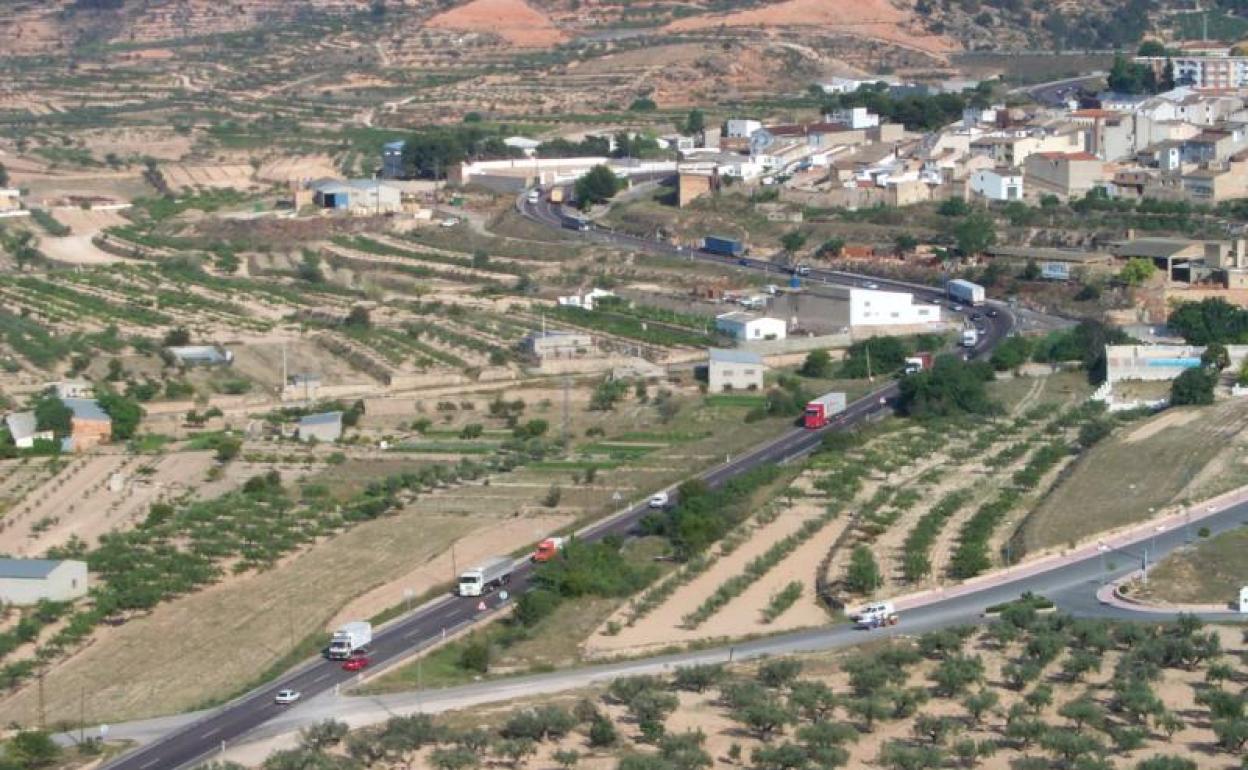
[
  {"x": 820, "y": 411},
  {"x": 547, "y": 549},
  {"x": 919, "y": 362}
]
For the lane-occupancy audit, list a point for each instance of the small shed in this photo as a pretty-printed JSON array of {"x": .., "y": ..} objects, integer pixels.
[
  {"x": 27, "y": 581},
  {"x": 323, "y": 427},
  {"x": 201, "y": 355},
  {"x": 728, "y": 370},
  {"x": 24, "y": 429}
]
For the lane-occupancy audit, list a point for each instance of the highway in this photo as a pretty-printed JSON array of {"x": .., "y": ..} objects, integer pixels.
[{"x": 428, "y": 624}]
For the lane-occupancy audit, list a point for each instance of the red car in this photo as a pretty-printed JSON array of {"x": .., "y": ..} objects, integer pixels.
[{"x": 355, "y": 664}]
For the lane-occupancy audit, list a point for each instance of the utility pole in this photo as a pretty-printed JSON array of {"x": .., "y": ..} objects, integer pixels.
[
  {"x": 567, "y": 383},
  {"x": 42, "y": 705},
  {"x": 868, "y": 348}
]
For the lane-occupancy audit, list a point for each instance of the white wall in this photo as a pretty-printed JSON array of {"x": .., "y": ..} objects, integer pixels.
[
  {"x": 723, "y": 376},
  {"x": 754, "y": 328},
  {"x": 740, "y": 128},
  {"x": 889, "y": 308},
  {"x": 996, "y": 186}
]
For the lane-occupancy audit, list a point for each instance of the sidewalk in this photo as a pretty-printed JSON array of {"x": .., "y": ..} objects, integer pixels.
[
  {"x": 1115, "y": 539},
  {"x": 1108, "y": 595}
]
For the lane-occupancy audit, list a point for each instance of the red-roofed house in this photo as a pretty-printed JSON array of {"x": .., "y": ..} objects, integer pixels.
[{"x": 1064, "y": 174}]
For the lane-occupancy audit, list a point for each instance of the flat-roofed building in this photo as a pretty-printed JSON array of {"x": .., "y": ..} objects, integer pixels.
[{"x": 728, "y": 370}]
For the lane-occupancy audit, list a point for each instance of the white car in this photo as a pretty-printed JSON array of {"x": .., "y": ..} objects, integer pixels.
[
  {"x": 450, "y": 222},
  {"x": 659, "y": 500},
  {"x": 286, "y": 697}
]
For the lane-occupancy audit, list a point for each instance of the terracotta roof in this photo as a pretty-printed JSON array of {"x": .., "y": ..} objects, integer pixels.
[
  {"x": 1090, "y": 113},
  {"x": 1067, "y": 155}
]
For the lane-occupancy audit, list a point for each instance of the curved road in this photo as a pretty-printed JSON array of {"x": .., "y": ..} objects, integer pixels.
[{"x": 428, "y": 624}]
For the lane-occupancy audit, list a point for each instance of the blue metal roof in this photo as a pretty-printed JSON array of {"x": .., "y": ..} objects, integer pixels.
[
  {"x": 721, "y": 356},
  {"x": 324, "y": 418},
  {"x": 86, "y": 409},
  {"x": 28, "y": 569}
]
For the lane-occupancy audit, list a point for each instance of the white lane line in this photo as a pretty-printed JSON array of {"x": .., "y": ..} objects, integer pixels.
[
  {"x": 149, "y": 763},
  {"x": 211, "y": 733},
  {"x": 319, "y": 678}
]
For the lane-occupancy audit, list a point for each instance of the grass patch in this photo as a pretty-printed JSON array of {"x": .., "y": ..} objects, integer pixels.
[
  {"x": 1123, "y": 477},
  {"x": 1211, "y": 572},
  {"x": 748, "y": 400}
]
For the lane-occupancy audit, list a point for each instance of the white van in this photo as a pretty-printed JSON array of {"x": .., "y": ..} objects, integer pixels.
[
  {"x": 658, "y": 500},
  {"x": 877, "y": 614}
]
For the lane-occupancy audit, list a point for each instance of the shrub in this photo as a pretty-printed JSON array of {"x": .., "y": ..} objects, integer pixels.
[{"x": 863, "y": 575}]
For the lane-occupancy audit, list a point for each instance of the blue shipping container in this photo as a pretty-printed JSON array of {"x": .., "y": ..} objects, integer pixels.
[{"x": 726, "y": 246}]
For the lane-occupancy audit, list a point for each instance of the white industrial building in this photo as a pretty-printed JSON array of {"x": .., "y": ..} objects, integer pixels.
[
  {"x": 29, "y": 581},
  {"x": 728, "y": 370},
  {"x": 996, "y": 184},
  {"x": 749, "y": 327},
  {"x": 868, "y": 307}
]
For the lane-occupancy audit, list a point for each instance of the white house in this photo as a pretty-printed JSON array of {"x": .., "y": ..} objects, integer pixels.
[
  {"x": 27, "y": 581},
  {"x": 734, "y": 370},
  {"x": 997, "y": 184},
  {"x": 856, "y": 118},
  {"x": 868, "y": 307},
  {"x": 747, "y": 326},
  {"x": 741, "y": 128}
]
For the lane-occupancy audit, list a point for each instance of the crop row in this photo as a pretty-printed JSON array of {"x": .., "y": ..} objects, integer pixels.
[
  {"x": 758, "y": 567},
  {"x": 971, "y": 556},
  {"x": 629, "y": 327},
  {"x": 916, "y": 563},
  {"x": 180, "y": 548}
]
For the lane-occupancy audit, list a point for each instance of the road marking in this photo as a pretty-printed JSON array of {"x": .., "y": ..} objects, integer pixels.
[
  {"x": 211, "y": 733},
  {"x": 319, "y": 678},
  {"x": 149, "y": 763}
]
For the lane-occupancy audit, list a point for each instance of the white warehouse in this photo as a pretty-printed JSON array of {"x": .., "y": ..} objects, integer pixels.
[
  {"x": 747, "y": 326},
  {"x": 868, "y": 307},
  {"x": 28, "y": 581}
]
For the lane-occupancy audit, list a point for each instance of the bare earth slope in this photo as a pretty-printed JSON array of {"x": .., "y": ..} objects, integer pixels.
[
  {"x": 878, "y": 19},
  {"x": 515, "y": 21}
]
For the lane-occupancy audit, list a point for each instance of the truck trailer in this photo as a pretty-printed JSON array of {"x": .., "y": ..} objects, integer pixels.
[
  {"x": 486, "y": 577},
  {"x": 572, "y": 222},
  {"x": 820, "y": 411},
  {"x": 970, "y": 338},
  {"x": 965, "y": 292},
  {"x": 547, "y": 549},
  {"x": 352, "y": 638},
  {"x": 555, "y": 195},
  {"x": 728, "y": 247}
]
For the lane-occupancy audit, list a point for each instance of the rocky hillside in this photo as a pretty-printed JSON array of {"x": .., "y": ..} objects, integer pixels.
[{"x": 49, "y": 26}]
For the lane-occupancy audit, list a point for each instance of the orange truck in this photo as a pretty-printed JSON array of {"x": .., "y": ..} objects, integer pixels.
[{"x": 547, "y": 549}]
